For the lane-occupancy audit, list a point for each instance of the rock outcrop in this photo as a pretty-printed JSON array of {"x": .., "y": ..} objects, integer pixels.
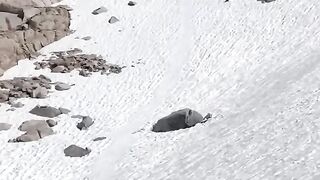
[
  {"x": 35, "y": 130},
  {"x": 27, "y": 26}
]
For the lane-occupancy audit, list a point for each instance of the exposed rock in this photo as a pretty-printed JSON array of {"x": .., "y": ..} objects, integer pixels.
[
  {"x": 59, "y": 69},
  {"x": 131, "y": 3},
  {"x": 45, "y": 111},
  {"x": 26, "y": 28},
  {"x": 23, "y": 87},
  {"x": 87, "y": 38},
  {"x": 99, "y": 138},
  {"x": 34, "y": 130},
  {"x": 5, "y": 126},
  {"x": 76, "y": 151},
  {"x": 113, "y": 19},
  {"x": 64, "y": 110},
  {"x": 180, "y": 119},
  {"x": 67, "y": 61},
  {"x": 51, "y": 122},
  {"x": 99, "y": 10},
  {"x": 4, "y": 96},
  {"x": 62, "y": 86},
  {"x": 85, "y": 123}
]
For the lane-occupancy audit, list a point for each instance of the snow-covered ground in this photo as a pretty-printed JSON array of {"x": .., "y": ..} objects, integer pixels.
[{"x": 254, "y": 66}]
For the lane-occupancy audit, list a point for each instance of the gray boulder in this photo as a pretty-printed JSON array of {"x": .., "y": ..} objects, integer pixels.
[
  {"x": 85, "y": 123},
  {"x": 76, "y": 151},
  {"x": 34, "y": 130},
  {"x": 113, "y": 19},
  {"x": 5, "y": 126},
  {"x": 45, "y": 111},
  {"x": 62, "y": 86},
  {"x": 181, "y": 119}
]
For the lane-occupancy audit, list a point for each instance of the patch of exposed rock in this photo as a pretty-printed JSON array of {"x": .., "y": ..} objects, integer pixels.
[
  {"x": 65, "y": 62},
  {"x": 181, "y": 119},
  {"x": 85, "y": 123},
  {"x": 99, "y": 10},
  {"x": 24, "y": 87},
  {"x": 48, "y": 111},
  {"x": 35, "y": 130},
  {"x": 27, "y": 26},
  {"x": 76, "y": 151}
]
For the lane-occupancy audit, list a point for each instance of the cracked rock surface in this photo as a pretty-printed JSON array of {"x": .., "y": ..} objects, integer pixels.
[{"x": 27, "y": 26}]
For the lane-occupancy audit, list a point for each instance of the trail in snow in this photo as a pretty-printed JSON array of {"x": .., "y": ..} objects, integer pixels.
[{"x": 179, "y": 55}]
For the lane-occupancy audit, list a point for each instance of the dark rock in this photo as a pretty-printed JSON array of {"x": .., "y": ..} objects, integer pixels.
[
  {"x": 5, "y": 126},
  {"x": 76, "y": 151},
  {"x": 180, "y": 119},
  {"x": 17, "y": 105},
  {"x": 99, "y": 10},
  {"x": 131, "y": 3},
  {"x": 45, "y": 111},
  {"x": 99, "y": 138},
  {"x": 85, "y": 123}
]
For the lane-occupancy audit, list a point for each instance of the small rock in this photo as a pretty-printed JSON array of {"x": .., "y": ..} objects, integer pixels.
[
  {"x": 58, "y": 69},
  {"x": 99, "y": 138},
  {"x": 99, "y": 10},
  {"x": 5, "y": 126},
  {"x": 64, "y": 110},
  {"x": 113, "y": 19},
  {"x": 51, "y": 122},
  {"x": 131, "y": 3},
  {"x": 76, "y": 151},
  {"x": 45, "y": 111},
  {"x": 84, "y": 73},
  {"x": 62, "y": 86},
  {"x": 11, "y": 109},
  {"x": 85, "y": 123},
  {"x": 4, "y": 96},
  {"x": 86, "y": 38}
]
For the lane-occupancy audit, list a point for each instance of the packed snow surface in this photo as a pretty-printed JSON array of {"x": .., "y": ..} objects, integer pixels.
[{"x": 255, "y": 66}]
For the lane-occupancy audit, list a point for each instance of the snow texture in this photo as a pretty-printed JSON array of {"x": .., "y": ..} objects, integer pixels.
[{"x": 255, "y": 66}]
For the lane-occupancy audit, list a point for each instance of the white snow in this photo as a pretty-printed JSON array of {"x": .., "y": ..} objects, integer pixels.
[{"x": 255, "y": 66}]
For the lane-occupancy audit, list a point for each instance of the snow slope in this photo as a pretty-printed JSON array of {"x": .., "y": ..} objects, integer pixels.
[{"x": 255, "y": 66}]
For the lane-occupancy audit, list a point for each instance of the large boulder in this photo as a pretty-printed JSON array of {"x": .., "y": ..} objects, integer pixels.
[
  {"x": 180, "y": 119},
  {"x": 34, "y": 130},
  {"x": 45, "y": 111},
  {"x": 27, "y": 26}
]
